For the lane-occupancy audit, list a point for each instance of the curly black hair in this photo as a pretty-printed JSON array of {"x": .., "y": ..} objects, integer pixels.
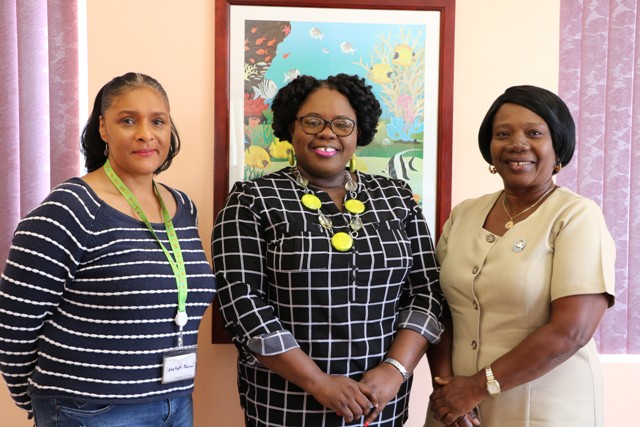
[
  {"x": 289, "y": 99},
  {"x": 91, "y": 143},
  {"x": 544, "y": 103}
]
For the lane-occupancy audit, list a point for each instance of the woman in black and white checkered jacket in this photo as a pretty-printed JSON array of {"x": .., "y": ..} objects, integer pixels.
[{"x": 326, "y": 277}]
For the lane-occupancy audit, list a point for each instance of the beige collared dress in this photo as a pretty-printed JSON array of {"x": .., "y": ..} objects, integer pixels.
[{"x": 500, "y": 290}]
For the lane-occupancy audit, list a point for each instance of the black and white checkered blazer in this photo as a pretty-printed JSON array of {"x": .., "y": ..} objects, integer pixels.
[{"x": 281, "y": 285}]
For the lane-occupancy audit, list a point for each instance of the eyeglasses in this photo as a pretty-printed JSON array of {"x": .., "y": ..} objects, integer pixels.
[{"x": 312, "y": 125}]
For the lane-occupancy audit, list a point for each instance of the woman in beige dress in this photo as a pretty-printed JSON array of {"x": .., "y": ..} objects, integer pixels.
[{"x": 528, "y": 273}]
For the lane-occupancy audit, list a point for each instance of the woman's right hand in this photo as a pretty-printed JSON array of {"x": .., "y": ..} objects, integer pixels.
[
  {"x": 347, "y": 397},
  {"x": 343, "y": 395}
]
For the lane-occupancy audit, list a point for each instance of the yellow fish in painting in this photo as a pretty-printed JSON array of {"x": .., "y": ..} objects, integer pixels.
[
  {"x": 256, "y": 157},
  {"x": 403, "y": 55},
  {"x": 280, "y": 149},
  {"x": 381, "y": 73}
]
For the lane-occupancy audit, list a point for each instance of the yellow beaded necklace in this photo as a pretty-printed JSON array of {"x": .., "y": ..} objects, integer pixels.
[{"x": 340, "y": 241}]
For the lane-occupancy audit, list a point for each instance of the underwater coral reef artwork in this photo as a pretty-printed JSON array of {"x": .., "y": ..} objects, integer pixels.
[
  {"x": 398, "y": 57},
  {"x": 391, "y": 58},
  {"x": 404, "y": 50}
]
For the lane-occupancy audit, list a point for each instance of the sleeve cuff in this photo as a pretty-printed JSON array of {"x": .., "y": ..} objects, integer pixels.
[
  {"x": 422, "y": 323},
  {"x": 271, "y": 344}
]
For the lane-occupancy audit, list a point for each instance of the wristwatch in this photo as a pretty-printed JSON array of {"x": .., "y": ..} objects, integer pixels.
[
  {"x": 493, "y": 386},
  {"x": 399, "y": 366}
]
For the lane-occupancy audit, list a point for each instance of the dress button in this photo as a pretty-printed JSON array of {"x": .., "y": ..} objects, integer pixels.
[
  {"x": 474, "y": 345},
  {"x": 475, "y": 305},
  {"x": 475, "y": 270},
  {"x": 491, "y": 238}
]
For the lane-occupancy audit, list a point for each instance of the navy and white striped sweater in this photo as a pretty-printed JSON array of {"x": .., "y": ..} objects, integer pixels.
[{"x": 88, "y": 298}]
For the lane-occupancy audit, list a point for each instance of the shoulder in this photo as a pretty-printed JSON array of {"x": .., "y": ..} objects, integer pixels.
[
  {"x": 282, "y": 178},
  {"x": 260, "y": 195},
  {"x": 71, "y": 207},
  {"x": 280, "y": 184},
  {"x": 75, "y": 188},
  {"x": 183, "y": 201},
  {"x": 384, "y": 184},
  {"x": 476, "y": 203},
  {"x": 569, "y": 207},
  {"x": 565, "y": 196},
  {"x": 567, "y": 202},
  {"x": 72, "y": 195}
]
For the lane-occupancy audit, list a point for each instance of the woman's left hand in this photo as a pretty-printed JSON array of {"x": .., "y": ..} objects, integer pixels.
[
  {"x": 384, "y": 381},
  {"x": 455, "y": 399}
]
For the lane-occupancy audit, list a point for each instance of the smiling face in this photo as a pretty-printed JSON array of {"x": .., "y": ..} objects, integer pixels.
[
  {"x": 137, "y": 128},
  {"x": 322, "y": 158},
  {"x": 522, "y": 149}
]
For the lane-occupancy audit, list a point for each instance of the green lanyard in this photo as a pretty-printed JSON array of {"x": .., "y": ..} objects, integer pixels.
[{"x": 177, "y": 264}]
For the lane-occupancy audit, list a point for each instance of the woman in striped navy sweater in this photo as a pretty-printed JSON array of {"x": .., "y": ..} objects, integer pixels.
[{"x": 106, "y": 281}]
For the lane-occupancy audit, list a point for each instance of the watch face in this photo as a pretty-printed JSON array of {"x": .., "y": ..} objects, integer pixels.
[{"x": 493, "y": 387}]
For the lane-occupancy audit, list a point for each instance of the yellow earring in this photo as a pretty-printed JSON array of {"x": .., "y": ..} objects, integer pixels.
[
  {"x": 352, "y": 164},
  {"x": 292, "y": 158}
]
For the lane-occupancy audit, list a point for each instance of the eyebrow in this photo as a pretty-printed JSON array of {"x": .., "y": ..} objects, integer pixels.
[
  {"x": 528, "y": 124},
  {"x": 320, "y": 116},
  {"x": 134, "y": 112}
]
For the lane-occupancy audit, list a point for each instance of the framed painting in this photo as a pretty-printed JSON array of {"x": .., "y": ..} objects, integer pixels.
[{"x": 404, "y": 50}]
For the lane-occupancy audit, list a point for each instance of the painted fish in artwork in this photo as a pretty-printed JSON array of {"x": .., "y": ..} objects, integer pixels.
[
  {"x": 291, "y": 75},
  {"x": 315, "y": 33},
  {"x": 256, "y": 157},
  {"x": 381, "y": 73},
  {"x": 266, "y": 90},
  {"x": 280, "y": 149},
  {"x": 398, "y": 167},
  {"x": 403, "y": 55},
  {"x": 347, "y": 47}
]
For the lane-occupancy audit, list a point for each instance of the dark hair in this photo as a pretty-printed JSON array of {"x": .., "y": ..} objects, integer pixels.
[
  {"x": 544, "y": 103},
  {"x": 91, "y": 143},
  {"x": 290, "y": 98}
]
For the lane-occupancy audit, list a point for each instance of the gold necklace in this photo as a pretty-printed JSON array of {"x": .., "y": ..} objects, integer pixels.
[
  {"x": 340, "y": 241},
  {"x": 509, "y": 223}
]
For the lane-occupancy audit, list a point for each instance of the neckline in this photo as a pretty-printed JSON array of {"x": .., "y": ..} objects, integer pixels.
[
  {"x": 102, "y": 202},
  {"x": 342, "y": 241},
  {"x": 539, "y": 201},
  {"x": 493, "y": 201}
]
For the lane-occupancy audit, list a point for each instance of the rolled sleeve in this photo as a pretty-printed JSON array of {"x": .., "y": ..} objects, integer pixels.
[
  {"x": 424, "y": 324},
  {"x": 423, "y": 300},
  {"x": 272, "y": 344}
]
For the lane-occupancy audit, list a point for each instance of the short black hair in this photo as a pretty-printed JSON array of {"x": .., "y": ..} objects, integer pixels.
[
  {"x": 544, "y": 103},
  {"x": 289, "y": 99},
  {"x": 91, "y": 143}
]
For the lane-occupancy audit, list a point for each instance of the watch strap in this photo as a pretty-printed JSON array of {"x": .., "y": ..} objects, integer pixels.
[
  {"x": 399, "y": 366},
  {"x": 493, "y": 386}
]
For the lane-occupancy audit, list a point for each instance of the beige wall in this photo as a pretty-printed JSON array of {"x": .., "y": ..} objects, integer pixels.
[{"x": 498, "y": 43}]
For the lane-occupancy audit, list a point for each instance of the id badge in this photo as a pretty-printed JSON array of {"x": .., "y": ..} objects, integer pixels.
[{"x": 179, "y": 364}]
